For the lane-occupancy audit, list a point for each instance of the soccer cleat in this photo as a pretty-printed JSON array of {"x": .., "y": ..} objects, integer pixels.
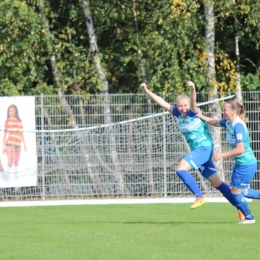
[
  {"x": 247, "y": 221},
  {"x": 198, "y": 202},
  {"x": 240, "y": 215}
]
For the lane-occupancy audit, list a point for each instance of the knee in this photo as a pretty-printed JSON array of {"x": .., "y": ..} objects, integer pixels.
[
  {"x": 215, "y": 180},
  {"x": 214, "y": 185}
]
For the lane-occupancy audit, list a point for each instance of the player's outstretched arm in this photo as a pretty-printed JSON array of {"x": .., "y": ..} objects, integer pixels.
[
  {"x": 209, "y": 120},
  {"x": 193, "y": 97},
  {"x": 160, "y": 101}
]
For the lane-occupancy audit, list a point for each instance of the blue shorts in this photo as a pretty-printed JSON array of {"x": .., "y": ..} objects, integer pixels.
[
  {"x": 242, "y": 175},
  {"x": 201, "y": 159}
]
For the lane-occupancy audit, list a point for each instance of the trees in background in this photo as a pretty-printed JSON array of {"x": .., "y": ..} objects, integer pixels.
[
  {"x": 165, "y": 39},
  {"x": 238, "y": 36}
]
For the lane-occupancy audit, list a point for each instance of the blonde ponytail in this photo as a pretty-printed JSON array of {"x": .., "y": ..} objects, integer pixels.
[{"x": 239, "y": 108}]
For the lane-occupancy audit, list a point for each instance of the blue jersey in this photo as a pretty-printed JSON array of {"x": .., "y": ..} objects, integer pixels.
[
  {"x": 237, "y": 132},
  {"x": 194, "y": 130}
]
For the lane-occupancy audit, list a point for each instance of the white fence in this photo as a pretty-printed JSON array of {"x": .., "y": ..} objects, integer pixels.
[{"x": 78, "y": 157}]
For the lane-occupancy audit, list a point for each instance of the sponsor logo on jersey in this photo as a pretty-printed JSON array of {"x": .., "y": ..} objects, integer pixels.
[{"x": 239, "y": 137}]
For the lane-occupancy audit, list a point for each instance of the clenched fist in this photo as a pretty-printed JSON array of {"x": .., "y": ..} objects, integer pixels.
[
  {"x": 143, "y": 86},
  {"x": 191, "y": 85}
]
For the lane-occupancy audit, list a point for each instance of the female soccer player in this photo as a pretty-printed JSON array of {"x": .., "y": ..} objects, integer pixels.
[
  {"x": 245, "y": 167},
  {"x": 196, "y": 134},
  {"x": 13, "y": 138}
]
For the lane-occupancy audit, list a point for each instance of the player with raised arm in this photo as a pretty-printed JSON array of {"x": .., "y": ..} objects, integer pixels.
[
  {"x": 245, "y": 167},
  {"x": 196, "y": 134}
]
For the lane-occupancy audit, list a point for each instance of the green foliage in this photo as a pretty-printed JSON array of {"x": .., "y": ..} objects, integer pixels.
[
  {"x": 164, "y": 39},
  {"x": 22, "y": 58},
  {"x": 250, "y": 82},
  {"x": 27, "y": 46},
  {"x": 240, "y": 18},
  {"x": 170, "y": 50}
]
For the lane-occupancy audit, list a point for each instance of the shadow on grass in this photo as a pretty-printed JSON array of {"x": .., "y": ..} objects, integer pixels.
[{"x": 178, "y": 222}]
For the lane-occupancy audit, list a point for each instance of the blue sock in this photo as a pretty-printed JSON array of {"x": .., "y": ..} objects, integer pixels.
[
  {"x": 242, "y": 205},
  {"x": 226, "y": 192},
  {"x": 190, "y": 182},
  {"x": 251, "y": 193}
]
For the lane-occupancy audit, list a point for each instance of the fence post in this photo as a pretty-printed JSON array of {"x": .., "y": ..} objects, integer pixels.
[
  {"x": 42, "y": 144},
  {"x": 164, "y": 156}
]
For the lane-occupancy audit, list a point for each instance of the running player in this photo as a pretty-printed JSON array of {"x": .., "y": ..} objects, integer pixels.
[
  {"x": 245, "y": 167},
  {"x": 197, "y": 136}
]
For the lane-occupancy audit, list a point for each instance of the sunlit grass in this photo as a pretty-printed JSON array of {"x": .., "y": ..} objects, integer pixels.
[{"x": 149, "y": 231}]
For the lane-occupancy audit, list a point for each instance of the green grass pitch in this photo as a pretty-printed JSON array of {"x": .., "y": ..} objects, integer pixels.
[{"x": 143, "y": 231}]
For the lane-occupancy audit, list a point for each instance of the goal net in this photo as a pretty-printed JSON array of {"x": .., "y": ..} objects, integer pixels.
[{"x": 133, "y": 158}]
